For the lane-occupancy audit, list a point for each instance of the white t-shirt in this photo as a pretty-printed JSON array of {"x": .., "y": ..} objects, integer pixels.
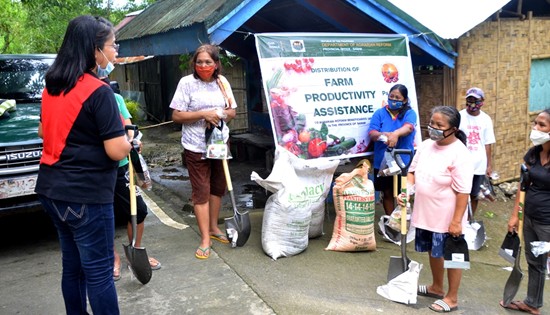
[
  {"x": 479, "y": 132},
  {"x": 193, "y": 95}
]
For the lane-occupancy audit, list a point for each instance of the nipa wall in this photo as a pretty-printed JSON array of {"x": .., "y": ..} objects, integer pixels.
[{"x": 496, "y": 56}]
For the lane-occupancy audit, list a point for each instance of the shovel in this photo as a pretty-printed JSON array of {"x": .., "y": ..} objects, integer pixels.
[
  {"x": 137, "y": 256},
  {"x": 514, "y": 280},
  {"x": 478, "y": 228},
  {"x": 237, "y": 227},
  {"x": 399, "y": 265}
]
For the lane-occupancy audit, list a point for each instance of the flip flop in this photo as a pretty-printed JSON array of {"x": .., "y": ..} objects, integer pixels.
[
  {"x": 202, "y": 253},
  {"x": 423, "y": 291},
  {"x": 220, "y": 238},
  {"x": 520, "y": 307},
  {"x": 445, "y": 308},
  {"x": 154, "y": 266}
]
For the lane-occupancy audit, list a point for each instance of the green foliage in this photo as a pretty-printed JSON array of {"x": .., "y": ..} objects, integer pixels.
[
  {"x": 38, "y": 26},
  {"x": 133, "y": 108},
  {"x": 184, "y": 62}
]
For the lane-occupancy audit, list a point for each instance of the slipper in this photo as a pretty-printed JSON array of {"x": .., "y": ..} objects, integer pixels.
[
  {"x": 116, "y": 273},
  {"x": 202, "y": 253},
  {"x": 220, "y": 238},
  {"x": 520, "y": 307},
  {"x": 154, "y": 266},
  {"x": 423, "y": 291},
  {"x": 445, "y": 308}
]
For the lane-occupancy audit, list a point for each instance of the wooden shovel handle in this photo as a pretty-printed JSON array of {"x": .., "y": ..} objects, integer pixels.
[
  {"x": 133, "y": 207},
  {"x": 404, "y": 208}
]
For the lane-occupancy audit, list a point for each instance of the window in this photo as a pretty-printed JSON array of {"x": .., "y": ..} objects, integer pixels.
[{"x": 539, "y": 85}]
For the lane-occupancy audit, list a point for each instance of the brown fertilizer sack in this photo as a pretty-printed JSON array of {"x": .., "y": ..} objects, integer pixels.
[{"x": 353, "y": 195}]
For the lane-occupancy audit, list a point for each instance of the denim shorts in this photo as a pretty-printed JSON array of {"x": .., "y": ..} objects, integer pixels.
[{"x": 426, "y": 241}]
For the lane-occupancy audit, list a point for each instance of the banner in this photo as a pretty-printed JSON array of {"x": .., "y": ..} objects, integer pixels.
[{"x": 322, "y": 88}]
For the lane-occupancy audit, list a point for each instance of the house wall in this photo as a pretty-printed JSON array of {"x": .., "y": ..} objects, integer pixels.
[{"x": 496, "y": 56}]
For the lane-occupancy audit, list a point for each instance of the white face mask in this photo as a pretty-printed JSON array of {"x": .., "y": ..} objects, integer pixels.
[
  {"x": 539, "y": 137},
  {"x": 101, "y": 73}
]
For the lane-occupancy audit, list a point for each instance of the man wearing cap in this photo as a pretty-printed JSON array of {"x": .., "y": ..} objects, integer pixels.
[{"x": 478, "y": 127}]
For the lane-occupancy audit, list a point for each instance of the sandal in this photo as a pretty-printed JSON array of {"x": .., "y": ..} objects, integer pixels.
[
  {"x": 442, "y": 307},
  {"x": 202, "y": 253},
  {"x": 155, "y": 264},
  {"x": 521, "y": 307},
  {"x": 423, "y": 291},
  {"x": 116, "y": 273},
  {"x": 220, "y": 238}
]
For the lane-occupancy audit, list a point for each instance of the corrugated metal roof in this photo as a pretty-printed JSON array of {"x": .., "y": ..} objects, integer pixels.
[{"x": 165, "y": 15}]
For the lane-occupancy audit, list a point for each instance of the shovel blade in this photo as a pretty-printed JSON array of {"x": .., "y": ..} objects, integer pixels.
[
  {"x": 398, "y": 265},
  {"x": 513, "y": 282},
  {"x": 480, "y": 238},
  {"x": 139, "y": 263},
  {"x": 238, "y": 228}
]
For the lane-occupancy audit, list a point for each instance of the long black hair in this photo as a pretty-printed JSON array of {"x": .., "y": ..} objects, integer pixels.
[
  {"x": 405, "y": 93},
  {"x": 76, "y": 55},
  {"x": 453, "y": 118},
  {"x": 534, "y": 153}
]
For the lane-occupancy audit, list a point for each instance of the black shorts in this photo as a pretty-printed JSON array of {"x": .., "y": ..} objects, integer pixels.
[
  {"x": 122, "y": 197},
  {"x": 382, "y": 183},
  {"x": 476, "y": 182}
]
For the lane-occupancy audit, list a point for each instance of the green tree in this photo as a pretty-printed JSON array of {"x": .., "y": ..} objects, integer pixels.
[{"x": 38, "y": 26}]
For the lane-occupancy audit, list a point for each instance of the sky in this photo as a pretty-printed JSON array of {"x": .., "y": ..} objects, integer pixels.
[
  {"x": 121, "y": 3},
  {"x": 450, "y": 18}
]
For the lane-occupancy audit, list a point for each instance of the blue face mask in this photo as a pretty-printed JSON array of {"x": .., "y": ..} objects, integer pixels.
[
  {"x": 101, "y": 73},
  {"x": 394, "y": 105}
]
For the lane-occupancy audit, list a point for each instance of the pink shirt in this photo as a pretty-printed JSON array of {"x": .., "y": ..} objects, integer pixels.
[{"x": 440, "y": 173}]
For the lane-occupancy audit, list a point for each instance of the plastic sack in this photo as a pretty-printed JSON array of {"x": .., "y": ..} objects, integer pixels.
[
  {"x": 390, "y": 226},
  {"x": 6, "y": 106},
  {"x": 143, "y": 176},
  {"x": 299, "y": 190},
  {"x": 216, "y": 148},
  {"x": 538, "y": 248},
  {"x": 403, "y": 288},
  {"x": 353, "y": 195}
]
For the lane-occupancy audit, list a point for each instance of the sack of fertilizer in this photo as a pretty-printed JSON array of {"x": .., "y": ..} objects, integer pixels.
[
  {"x": 353, "y": 195},
  {"x": 295, "y": 211}
]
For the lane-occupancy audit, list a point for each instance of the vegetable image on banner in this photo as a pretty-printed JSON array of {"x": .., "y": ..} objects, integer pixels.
[{"x": 323, "y": 88}]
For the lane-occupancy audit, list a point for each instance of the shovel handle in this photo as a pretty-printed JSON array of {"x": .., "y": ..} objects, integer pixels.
[
  {"x": 404, "y": 208},
  {"x": 133, "y": 208},
  {"x": 227, "y": 175},
  {"x": 397, "y": 153}
]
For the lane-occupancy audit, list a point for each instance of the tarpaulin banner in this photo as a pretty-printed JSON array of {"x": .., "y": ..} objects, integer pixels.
[{"x": 322, "y": 88}]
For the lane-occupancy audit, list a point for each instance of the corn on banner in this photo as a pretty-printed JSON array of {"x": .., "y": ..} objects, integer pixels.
[{"x": 322, "y": 88}]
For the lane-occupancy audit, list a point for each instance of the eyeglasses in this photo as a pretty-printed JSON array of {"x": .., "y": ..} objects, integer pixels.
[{"x": 115, "y": 46}]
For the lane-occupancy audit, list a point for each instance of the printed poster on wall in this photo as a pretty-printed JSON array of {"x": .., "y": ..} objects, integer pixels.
[{"x": 322, "y": 88}]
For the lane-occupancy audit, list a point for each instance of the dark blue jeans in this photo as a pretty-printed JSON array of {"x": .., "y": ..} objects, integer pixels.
[
  {"x": 86, "y": 235},
  {"x": 533, "y": 231}
]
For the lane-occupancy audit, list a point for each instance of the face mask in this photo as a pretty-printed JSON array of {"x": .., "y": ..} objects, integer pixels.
[
  {"x": 474, "y": 106},
  {"x": 394, "y": 105},
  {"x": 437, "y": 134},
  {"x": 539, "y": 137},
  {"x": 105, "y": 72},
  {"x": 206, "y": 72}
]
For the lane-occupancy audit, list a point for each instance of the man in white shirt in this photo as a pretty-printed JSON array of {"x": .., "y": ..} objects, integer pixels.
[{"x": 478, "y": 127}]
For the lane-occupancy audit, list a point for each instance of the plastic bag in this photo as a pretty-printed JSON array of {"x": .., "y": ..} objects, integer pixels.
[
  {"x": 390, "y": 226},
  {"x": 143, "y": 176},
  {"x": 404, "y": 287},
  {"x": 538, "y": 248},
  {"x": 216, "y": 148}
]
